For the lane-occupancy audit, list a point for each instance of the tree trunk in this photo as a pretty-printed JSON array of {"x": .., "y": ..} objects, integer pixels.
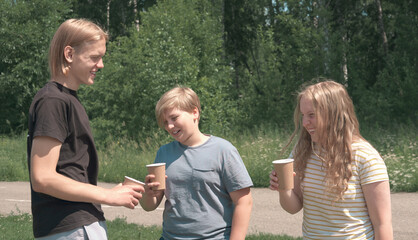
[
  {"x": 382, "y": 27},
  {"x": 136, "y": 15},
  {"x": 108, "y": 15}
]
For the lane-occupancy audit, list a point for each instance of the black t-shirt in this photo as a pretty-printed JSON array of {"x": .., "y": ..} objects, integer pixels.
[{"x": 56, "y": 112}]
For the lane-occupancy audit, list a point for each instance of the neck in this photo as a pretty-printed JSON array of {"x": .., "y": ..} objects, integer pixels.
[
  {"x": 197, "y": 140},
  {"x": 66, "y": 82}
]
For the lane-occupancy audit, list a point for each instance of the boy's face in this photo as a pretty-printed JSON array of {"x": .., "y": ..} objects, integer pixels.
[
  {"x": 86, "y": 61},
  {"x": 182, "y": 125}
]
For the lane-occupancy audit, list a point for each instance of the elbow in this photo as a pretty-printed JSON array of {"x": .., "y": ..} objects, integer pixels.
[
  {"x": 148, "y": 209},
  {"x": 250, "y": 202},
  {"x": 293, "y": 211},
  {"x": 38, "y": 184}
]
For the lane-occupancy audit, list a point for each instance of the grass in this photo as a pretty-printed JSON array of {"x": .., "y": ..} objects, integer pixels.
[
  {"x": 19, "y": 227},
  {"x": 13, "y": 163},
  {"x": 398, "y": 147}
]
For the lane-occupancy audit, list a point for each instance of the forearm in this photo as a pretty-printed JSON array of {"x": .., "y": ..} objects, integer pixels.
[
  {"x": 149, "y": 202},
  {"x": 62, "y": 187},
  {"x": 383, "y": 232},
  {"x": 240, "y": 222},
  {"x": 243, "y": 203},
  {"x": 378, "y": 195},
  {"x": 290, "y": 201},
  {"x": 45, "y": 179}
]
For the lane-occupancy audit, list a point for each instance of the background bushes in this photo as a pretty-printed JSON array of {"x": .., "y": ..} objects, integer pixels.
[{"x": 245, "y": 58}]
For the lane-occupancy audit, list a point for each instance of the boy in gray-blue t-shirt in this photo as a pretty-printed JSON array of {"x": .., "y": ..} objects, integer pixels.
[{"x": 207, "y": 186}]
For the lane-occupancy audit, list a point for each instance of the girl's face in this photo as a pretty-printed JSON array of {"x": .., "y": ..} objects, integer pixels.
[
  {"x": 182, "y": 125},
  {"x": 309, "y": 117}
]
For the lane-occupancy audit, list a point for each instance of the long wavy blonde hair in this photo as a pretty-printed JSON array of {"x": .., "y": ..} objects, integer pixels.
[{"x": 337, "y": 127}]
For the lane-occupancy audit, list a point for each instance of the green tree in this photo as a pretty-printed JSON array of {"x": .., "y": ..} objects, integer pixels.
[
  {"x": 26, "y": 28},
  {"x": 179, "y": 43},
  {"x": 117, "y": 16}
]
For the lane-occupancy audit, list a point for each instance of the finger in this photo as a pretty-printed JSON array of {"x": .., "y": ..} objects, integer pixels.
[
  {"x": 274, "y": 183},
  {"x": 273, "y": 178},
  {"x": 135, "y": 201},
  {"x": 137, "y": 195},
  {"x": 153, "y": 184},
  {"x": 138, "y": 188},
  {"x": 149, "y": 178}
]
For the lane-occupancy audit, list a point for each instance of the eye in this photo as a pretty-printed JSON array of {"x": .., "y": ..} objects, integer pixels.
[{"x": 95, "y": 58}]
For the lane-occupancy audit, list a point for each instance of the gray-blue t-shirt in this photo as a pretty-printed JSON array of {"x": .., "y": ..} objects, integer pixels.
[{"x": 199, "y": 180}]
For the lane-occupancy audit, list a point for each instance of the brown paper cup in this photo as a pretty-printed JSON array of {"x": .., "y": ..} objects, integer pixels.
[
  {"x": 131, "y": 181},
  {"x": 284, "y": 171},
  {"x": 158, "y": 169}
]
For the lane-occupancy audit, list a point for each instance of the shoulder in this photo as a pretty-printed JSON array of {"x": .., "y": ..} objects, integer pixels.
[
  {"x": 368, "y": 163},
  {"x": 366, "y": 157},
  {"x": 169, "y": 147},
  {"x": 221, "y": 143},
  {"x": 51, "y": 93},
  {"x": 364, "y": 150}
]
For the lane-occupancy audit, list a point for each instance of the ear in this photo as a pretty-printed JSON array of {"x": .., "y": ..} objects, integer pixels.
[
  {"x": 68, "y": 53},
  {"x": 196, "y": 114}
]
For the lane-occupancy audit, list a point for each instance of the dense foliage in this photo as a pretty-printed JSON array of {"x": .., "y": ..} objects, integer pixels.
[{"x": 245, "y": 59}]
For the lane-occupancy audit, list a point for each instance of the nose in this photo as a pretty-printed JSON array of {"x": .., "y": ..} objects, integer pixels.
[
  {"x": 305, "y": 121},
  {"x": 100, "y": 63},
  {"x": 169, "y": 125}
]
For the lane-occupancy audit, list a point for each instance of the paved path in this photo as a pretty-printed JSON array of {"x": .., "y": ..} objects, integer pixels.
[{"x": 267, "y": 215}]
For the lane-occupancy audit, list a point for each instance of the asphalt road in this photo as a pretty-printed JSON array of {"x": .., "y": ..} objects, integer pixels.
[{"x": 267, "y": 215}]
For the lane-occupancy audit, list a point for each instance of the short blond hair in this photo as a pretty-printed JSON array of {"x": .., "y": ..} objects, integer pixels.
[
  {"x": 182, "y": 98},
  {"x": 73, "y": 33}
]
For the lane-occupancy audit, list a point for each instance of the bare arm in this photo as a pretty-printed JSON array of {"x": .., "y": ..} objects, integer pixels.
[
  {"x": 151, "y": 198},
  {"x": 290, "y": 200},
  {"x": 243, "y": 202},
  {"x": 379, "y": 206},
  {"x": 45, "y": 179}
]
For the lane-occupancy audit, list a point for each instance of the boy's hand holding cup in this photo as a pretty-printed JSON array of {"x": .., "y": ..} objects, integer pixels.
[
  {"x": 158, "y": 170},
  {"x": 284, "y": 172}
]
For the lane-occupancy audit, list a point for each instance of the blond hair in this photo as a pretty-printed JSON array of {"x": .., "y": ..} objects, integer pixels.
[
  {"x": 337, "y": 126},
  {"x": 73, "y": 33},
  {"x": 182, "y": 98}
]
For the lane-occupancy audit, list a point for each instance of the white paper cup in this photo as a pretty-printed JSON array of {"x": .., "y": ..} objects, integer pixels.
[
  {"x": 284, "y": 171},
  {"x": 158, "y": 169},
  {"x": 132, "y": 181}
]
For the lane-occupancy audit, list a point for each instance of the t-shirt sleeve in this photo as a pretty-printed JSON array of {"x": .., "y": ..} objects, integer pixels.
[
  {"x": 235, "y": 174},
  {"x": 51, "y": 119},
  {"x": 372, "y": 168}
]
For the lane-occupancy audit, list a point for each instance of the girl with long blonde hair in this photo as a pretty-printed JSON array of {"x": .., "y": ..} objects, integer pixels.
[{"x": 341, "y": 182}]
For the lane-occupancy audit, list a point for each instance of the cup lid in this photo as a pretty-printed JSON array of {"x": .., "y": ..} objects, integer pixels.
[
  {"x": 282, "y": 161},
  {"x": 155, "y": 164},
  {"x": 134, "y": 180}
]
